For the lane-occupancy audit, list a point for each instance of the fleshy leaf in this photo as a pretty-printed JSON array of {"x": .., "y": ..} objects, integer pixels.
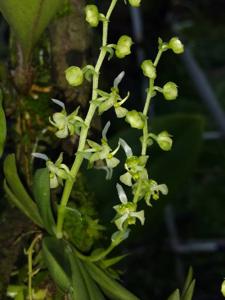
[
  {"x": 15, "y": 186},
  {"x": 2, "y": 126},
  {"x": 175, "y": 295},
  {"x": 28, "y": 19},
  {"x": 41, "y": 191},
  {"x": 56, "y": 260}
]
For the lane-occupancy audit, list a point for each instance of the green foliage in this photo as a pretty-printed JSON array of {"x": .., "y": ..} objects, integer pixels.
[
  {"x": 56, "y": 260},
  {"x": 28, "y": 19},
  {"x": 111, "y": 287},
  {"x": 41, "y": 189},
  {"x": 17, "y": 193},
  {"x": 188, "y": 289},
  {"x": 2, "y": 126}
]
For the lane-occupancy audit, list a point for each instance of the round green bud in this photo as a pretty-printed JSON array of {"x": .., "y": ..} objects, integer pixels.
[
  {"x": 135, "y": 3},
  {"x": 123, "y": 46},
  {"x": 164, "y": 140},
  {"x": 135, "y": 119},
  {"x": 148, "y": 69},
  {"x": 176, "y": 45},
  {"x": 74, "y": 76},
  {"x": 92, "y": 15},
  {"x": 223, "y": 288},
  {"x": 170, "y": 91}
]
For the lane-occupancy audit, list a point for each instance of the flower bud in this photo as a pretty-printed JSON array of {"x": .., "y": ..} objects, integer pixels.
[
  {"x": 74, "y": 76},
  {"x": 92, "y": 15},
  {"x": 164, "y": 140},
  {"x": 223, "y": 288},
  {"x": 170, "y": 91},
  {"x": 120, "y": 112},
  {"x": 135, "y": 3},
  {"x": 148, "y": 69},
  {"x": 135, "y": 119},
  {"x": 123, "y": 46},
  {"x": 176, "y": 45}
]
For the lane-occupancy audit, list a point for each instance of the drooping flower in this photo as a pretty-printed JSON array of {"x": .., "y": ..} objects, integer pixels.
[
  {"x": 126, "y": 212},
  {"x": 66, "y": 124},
  {"x": 57, "y": 171}
]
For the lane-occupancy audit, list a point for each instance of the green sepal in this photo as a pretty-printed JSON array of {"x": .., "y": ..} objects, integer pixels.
[
  {"x": 42, "y": 196},
  {"x": 3, "y": 130},
  {"x": 56, "y": 260},
  {"x": 109, "y": 49},
  {"x": 17, "y": 193}
]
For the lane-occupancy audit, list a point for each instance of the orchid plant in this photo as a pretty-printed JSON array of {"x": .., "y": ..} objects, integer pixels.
[{"x": 87, "y": 273}]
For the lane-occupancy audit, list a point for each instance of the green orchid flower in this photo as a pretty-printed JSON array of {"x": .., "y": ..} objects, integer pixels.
[
  {"x": 57, "y": 171},
  {"x": 103, "y": 152},
  {"x": 126, "y": 212},
  {"x": 66, "y": 124}
]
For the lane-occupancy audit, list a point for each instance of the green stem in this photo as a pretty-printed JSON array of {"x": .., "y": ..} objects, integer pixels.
[
  {"x": 145, "y": 113},
  {"x": 30, "y": 265},
  {"x": 147, "y": 105},
  {"x": 84, "y": 131},
  {"x": 136, "y": 195}
]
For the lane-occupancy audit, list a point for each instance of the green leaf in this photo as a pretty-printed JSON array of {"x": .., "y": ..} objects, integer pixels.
[
  {"x": 106, "y": 263},
  {"x": 175, "y": 295},
  {"x": 112, "y": 288},
  {"x": 41, "y": 189},
  {"x": 56, "y": 259},
  {"x": 17, "y": 193},
  {"x": 188, "y": 280},
  {"x": 189, "y": 292},
  {"x": 28, "y": 19},
  {"x": 79, "y": 289},
  {"x": 93, "y": 290},
  {"x": 2, "y": 126}
]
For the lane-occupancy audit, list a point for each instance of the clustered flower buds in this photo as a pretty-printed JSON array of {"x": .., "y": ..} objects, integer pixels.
[
  {"x": 123, "y": 46},
  {"x": 101, "y": 155},
  {"x": 92, "y": 15},
  {"x": 74, "y": 76}
]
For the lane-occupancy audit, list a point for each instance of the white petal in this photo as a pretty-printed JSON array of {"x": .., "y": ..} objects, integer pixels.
[
  {"x": 127, "y": 149},
  {"x": 58, "y": 102},
  {"x": 40, "y": 155},
  {"x": 121, "y": 193},
  {"x": 105, "y": 130}
]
